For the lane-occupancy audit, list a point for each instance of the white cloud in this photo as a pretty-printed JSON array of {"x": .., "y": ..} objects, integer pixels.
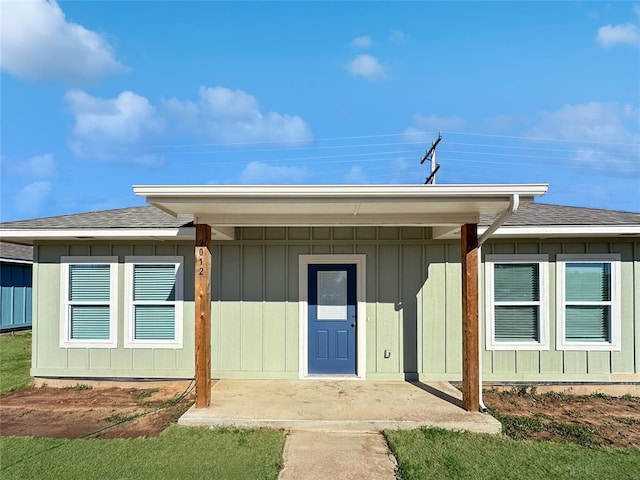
[
  {"x": 265, "y": 174},
  {"x": 367, "y": 66},
  {"x": 108, "y": 129},
  {"x": 38, "y": 43},
  {"x": 356, "y": 176},
  {"x": 39, "y": 166},
  {"x": 234, "y": 116},
  {"x": 397, "y": 36},
  {"x": 31, "y": 198},
  {"x": 364, "y": 41},
  {"x": 424, "y": 127},
  {"x": 604, "y": 136},
  {"x": 626, "y": 33}
]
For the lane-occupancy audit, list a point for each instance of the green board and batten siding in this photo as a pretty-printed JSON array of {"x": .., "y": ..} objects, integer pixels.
[{"x": 413, "y": 308}]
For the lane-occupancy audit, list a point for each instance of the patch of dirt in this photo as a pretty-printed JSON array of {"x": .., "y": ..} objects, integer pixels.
[
  {"x": 595, "y": 419},
  {"x": 78, "y": 411}
]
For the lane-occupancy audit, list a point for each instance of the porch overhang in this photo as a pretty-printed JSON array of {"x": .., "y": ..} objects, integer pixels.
[
  {"x": 336, "y": 205},
  {"x": 443, "y": 207}
]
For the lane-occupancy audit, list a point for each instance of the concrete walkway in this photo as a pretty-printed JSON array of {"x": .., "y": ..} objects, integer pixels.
[
  {"x": 315, "y": 455},
  {"x": 337, "y": 405}
]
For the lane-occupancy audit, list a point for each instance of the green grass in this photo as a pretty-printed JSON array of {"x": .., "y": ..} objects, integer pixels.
[
  {"x": 179, "y": 452},
  {"x": 15, "y": 361},
  {"x": 436, "y": 453}
]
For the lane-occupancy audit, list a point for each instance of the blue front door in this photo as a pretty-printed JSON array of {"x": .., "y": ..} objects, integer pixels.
[{"x": 332, "y": 319}]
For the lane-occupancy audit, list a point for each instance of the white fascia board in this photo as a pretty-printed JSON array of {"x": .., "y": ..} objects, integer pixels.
[
  {"x": 338, "y": 191},
  {"x": 13, "y": 260},
  {"x": 88, "y": 234},
  {"x": 567, "y": 231}
]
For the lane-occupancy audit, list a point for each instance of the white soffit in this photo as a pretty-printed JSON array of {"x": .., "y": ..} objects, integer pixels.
[{"x": 265, "y": 205}]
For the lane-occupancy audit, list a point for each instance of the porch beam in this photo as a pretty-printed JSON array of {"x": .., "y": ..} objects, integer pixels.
[
  {"x": 470, "y": 340},
  {"x": 203, "y": 315}
]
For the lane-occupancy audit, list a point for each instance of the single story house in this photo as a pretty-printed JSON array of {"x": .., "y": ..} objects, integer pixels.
[
  {"x": 15, "y": 286},
  {"x": 386, "y": 282}
]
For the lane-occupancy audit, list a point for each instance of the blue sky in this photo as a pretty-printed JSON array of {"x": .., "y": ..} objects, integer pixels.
[{"x": 99, "y": 96}]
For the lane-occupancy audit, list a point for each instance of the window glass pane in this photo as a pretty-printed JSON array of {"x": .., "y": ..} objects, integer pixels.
[
  {"x": 154, "y": 322},
  {"x": 516, "y": 282},
  {"x": 332, "y": 295},
  {"x": 516, "y": 323},
  {"x": 90, "y": 322},
  {"x": 588, "y": 282},
  {"x": 89, "y": 282},
  {"x": 154, "y": 282},
  {"x": 587, "y": 323}
]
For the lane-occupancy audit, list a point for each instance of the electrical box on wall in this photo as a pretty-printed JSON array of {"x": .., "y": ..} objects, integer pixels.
[{"x": 387, "y": 354}]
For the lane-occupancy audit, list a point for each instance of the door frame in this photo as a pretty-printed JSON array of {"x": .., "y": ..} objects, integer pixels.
[{"x": 360, "y": 262}]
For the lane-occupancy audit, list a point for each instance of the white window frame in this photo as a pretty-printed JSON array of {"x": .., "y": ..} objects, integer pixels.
[
  {"x": 129, "y": 317},
  {"x": 65, "y": 304},
  {"x": 543, "y": 302},
  {"x": 615, "y": 326}
]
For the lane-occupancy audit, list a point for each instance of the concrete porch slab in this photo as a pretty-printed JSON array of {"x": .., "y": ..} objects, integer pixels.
[{"x": 337, "y": 405}]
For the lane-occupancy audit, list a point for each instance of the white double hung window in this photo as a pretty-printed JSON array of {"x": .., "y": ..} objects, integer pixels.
[
  {"x": 515, "y": 299},
  {"x": 89, "y": 303},
  {"x": 153, "y": 302},
  {"x": 588, "y": 293}
]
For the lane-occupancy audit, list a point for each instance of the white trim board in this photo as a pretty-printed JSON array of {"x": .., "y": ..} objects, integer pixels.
[{"x": 360, "y": 261}]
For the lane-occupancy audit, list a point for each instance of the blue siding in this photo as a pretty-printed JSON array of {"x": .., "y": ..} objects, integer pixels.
[{"x": 15, "y": 295}]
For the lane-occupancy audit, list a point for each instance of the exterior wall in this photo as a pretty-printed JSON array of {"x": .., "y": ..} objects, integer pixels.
[
  {"x": 413, "y": 289},
  {"x": 573, "y": 366},
  {"x": 51, "y": 360},
  {"x": 15, "y": 295}
]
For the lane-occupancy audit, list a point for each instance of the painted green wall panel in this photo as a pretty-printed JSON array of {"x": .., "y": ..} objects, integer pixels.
[
  {"x": 343, "y": 233},
  {"x": 49, "y": 353},
  {"x": 78, "y": 358},
  {"x": 164, "y": 359},
  {"x": 453, "y": 332},
  {"x": 411, "y": 283},
  {"x": 371, "y": 294},
  {"x": 598, "y": 362},
  {"x": 575, "y": 247},
  {"x": 252, "y": 233},
  {"x": 299, "y": 233},
  {"x": 528, "y": 248},
  {"x": 366, "y": 233},
  {"x": 231, "y": 336},
  {"x": 575, "y": 362},
  {"x": 143, "y": 359},
  {"x": 388, "y": 311},
  {"x": 274, "y": 337},
  {"x": 504, "y": 248},
  {"x": 343, "y": 250},
  {"x": 598, "y": 247},
  {"x": 292, "y": 333},
  {"x": 216, "y": 335},
  {"x": 142, "y": 250},
  {"x": 276, "y": 233},
  {"x": 321, "y": 233},
  {"x": 388, "y": 233},
  {"x": 121, "y": 359},
  {"x": 434, "y": 308},
  {"x": 623, "y": 361},
  {"x": 636, "y": 313},
  {"x": 79, "y": 250},
  {"x": 99, "y": 358},
  {"x": 100, "y": 250},
  {"x": 122, "y": 250},
  {"x": 167, "y": 250},
  {"x": 504, "y": 362},
  {"x": 321, "y": 249},
  {"x": 528, "y": 362},
  {"x": 251, "y": 336}
]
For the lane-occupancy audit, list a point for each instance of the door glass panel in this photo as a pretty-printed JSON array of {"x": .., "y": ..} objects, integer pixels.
[{"x": 332, "y": 295}]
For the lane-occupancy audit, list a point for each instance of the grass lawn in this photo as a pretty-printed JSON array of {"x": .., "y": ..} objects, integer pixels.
[
  {"x": 179, "y": 452},
  {"x": 436, "y": 453},
  {"x": 15, "y": 360}
]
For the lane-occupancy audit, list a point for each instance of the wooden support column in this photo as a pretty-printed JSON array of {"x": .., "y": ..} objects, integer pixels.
[
  {"x": 203, "y": 315},
  {"x": 470, "y": 340}
]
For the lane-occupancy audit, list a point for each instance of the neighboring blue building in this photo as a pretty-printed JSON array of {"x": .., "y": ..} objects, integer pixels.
[{"x": 15, "y": 286}]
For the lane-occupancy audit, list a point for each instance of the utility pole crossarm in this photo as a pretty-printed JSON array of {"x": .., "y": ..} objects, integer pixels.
[{"x": 431, "y": 156}]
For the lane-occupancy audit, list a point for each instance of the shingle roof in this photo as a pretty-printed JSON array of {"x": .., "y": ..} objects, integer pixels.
[
  {"x": 534, "y": 214},
  {"x": 16, "y": 252},
  {"x": 543, "y": 214},
  {"x": 132, "y": 217}
]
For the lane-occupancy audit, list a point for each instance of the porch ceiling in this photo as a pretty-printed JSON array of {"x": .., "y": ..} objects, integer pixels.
[{"x": 307, "y": 205}]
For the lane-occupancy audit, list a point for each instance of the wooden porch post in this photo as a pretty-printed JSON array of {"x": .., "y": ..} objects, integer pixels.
[
  {"x": 470, "y": 362},
  {"x": 203, "y": 315}
]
